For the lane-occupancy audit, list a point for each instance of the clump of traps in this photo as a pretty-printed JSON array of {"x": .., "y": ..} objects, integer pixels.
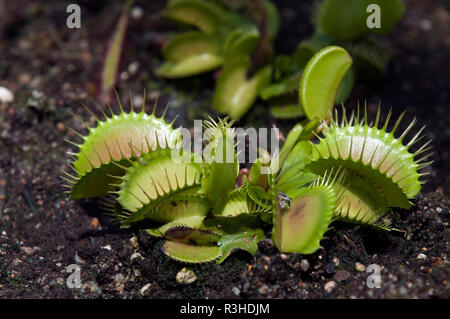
[{"x": 328, "y": 169}]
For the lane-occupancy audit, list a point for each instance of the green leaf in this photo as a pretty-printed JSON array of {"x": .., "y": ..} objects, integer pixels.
[
  {"x": 150, "y": 184},
  {"x": 222, "y": 168},
  {"x": 190, "y": 253},
  {"x": 114, "y": 52},
  {"x": 114, "y": 141},
  {"x": 321, "y": 79},
  {"x": 273, "y": 18},
  {"x": 191, "y": 53},
  {"x": 307, "y": 48},
  {"x": 300, "y": 132},
  {"x": 192, "y": 236},
  {"x": 259, "y": 196},
  {"x": 246, "y": 240},
  {"x": 289, "y": 111},
  {"x": 371, "y": 59},
  {"x": 291, "y": 140},
  {"x": 347, "y": 19},
  {"x": 189, "y": 221},
  {"x": 292, "y": 176},
  {"x": 241, "y": 41},
  {"x": 300, "y": 226},
  {"x": 346, "y": 87},
  {"x": 235, "y": 93},
  {"x": 204, "y": 15}
]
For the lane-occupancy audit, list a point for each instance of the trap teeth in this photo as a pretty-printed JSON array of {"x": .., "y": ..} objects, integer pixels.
[
  {"x": 382, "y": 172},
  {"x": 112, "y": 146}
]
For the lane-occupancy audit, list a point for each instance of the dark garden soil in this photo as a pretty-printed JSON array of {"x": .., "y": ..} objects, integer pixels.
[{"x": 52, "y": 70}]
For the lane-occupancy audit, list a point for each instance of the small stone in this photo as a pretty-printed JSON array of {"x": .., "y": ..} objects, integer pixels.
[
  {"x": 107, "y": 247},
  {"x": 93, "y": 287},
  {"x": 134, "y": 242},
  {"x": 145, "y": 290},
  {"x": 24, "y": 78},
  {"x": 360, "y": 267},
  {"x": 61, "y": 126},
  {"x": 27, "y": 251},
  {"x": 78, "y": 259},
  {"x": 403, "y": 290},
  {"x": 263, "y": 289},
  {"x": 329, "y": 286},
  {"x": 136, "y": 13},
  {"x": 425, "y": 25},
  {"x": 236, "y": 291},
  {"x": 284, "y": 256},
  {"x": 421, "y": 256},
  {"x": 186, "y": 276},
  {"x": 16, "y": 261},
  {"x": 342, "y": 275},
  {"x": 60, "y": 281},
  {"x": 119, "y": 281},
  {"x": 95, "y": 222},
  {"x": 133, "y": 67},
  {"x": 6, "y": 96},
  {"x": 304, "y": 265},
  {"x": 336, "y": 261},
  {"x": 135, "y": 256},
  {"x": 124, "y": 76}
]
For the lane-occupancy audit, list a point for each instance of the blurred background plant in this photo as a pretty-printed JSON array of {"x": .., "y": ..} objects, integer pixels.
[{"x": 235, "y": 38}]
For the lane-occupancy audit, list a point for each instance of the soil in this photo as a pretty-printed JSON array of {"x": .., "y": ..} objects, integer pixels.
[{"x": 52, "y": 70}]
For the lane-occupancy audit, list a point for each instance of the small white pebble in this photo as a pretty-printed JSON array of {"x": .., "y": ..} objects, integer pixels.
[
  {"x": 107, "y": 247},
  {"x": 136, "y": 13},
  {"x": 134, "y": 242},
  {"x": 27, "y": 250},
  {"x": 6, "y": 96},
  {"x": 329, "y": 286},
  {"x": 236, "y": 291},
  {"x": 336, "y": 261},
  {"x": 136, "y": 255},
  {"x": 421, "y": 256},
  {"x": 304, "y": 265},
  {"x": 360, "y": 267},
  {"x": 133, "y": 67},
  {"x": 425, "y": 25},
  {"x": 403, "y": 291},
  {"x": 124, "y": 76},
  {"x": 144, "y": 289},
  {"x": 186, "y": 276}
]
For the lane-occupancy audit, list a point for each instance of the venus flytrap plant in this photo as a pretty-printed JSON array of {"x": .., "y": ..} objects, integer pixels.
[
  {"x": 226, "y": 38},
  {"x": 222, "y": 35},
  {"x": 348, "y": 19},
  {"x": 108, "y": 144},
  {"x": 337, "y": 22},
  {"x": 380, "y": 171},
  {"x": 191, "y": 53},
  {"x": 235, "y": 92},
  {"x": 328, "y": 169}
]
